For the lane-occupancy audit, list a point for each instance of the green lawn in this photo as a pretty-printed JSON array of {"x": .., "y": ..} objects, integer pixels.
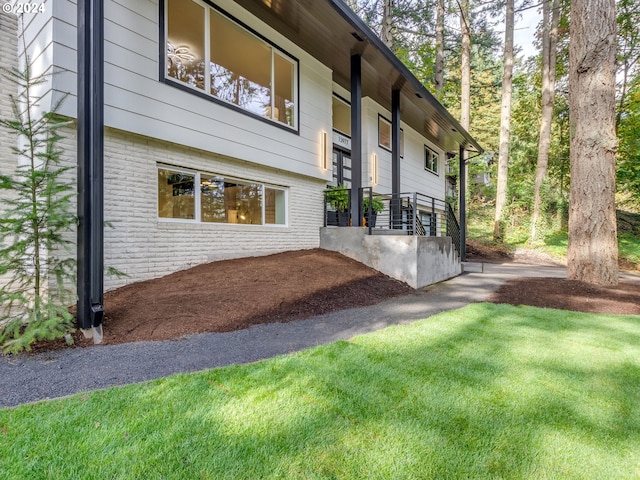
[{"x": 487, "y": 391}]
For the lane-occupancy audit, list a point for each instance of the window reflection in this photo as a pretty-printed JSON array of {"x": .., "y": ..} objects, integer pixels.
[
  {"x": 176, "y": 197},
  {"x": 185, "y": 43},
  {"x": 243, "y": 69}
]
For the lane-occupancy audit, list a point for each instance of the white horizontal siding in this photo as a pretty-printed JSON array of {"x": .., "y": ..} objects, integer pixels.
[
  {"x": 137, "y": 101},
  {"x": 413, "y": 176}
]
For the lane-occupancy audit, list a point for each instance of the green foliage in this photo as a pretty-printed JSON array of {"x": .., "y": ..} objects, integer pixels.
[
  {"x": 628, "y": 165},
  {"x": 37, "y": 213},
  {"x": 553, "y": 235},
  {"x": 485, "y": 392},
  {"x": 377, "y": 205},
  {"x": 338, "y": 197}
]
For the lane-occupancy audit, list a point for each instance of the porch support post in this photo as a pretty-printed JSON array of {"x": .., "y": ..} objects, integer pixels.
[
  {"x": 356, "y": 139},
  {"x": 90, "y": 163},
  {"x": 463, "y": 203},
  {"x": 395, "y": 157}
]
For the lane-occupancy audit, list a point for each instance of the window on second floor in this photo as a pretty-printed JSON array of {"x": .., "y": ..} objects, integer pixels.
[
  {"x": 215, "y": 55},
  {"x": 384, "y": 135},
  {"x": 431, "y": 158}
]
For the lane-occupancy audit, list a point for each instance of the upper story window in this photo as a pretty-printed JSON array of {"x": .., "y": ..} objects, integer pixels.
[
  {"x": 384, "y": 135},
  {"x": 341, "y": 111},
  {"x": 215, "y": 55},
  {"x": 431, "y": 158}
]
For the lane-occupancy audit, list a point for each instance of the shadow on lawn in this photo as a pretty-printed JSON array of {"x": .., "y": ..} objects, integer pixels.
[{"x": 482, "y": 392}]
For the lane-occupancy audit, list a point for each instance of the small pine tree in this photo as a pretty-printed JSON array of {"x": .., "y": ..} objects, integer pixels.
[{"x": 37, "y": 213}]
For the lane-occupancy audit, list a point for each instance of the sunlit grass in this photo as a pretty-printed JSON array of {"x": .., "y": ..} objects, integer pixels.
[
  {"x": 629, "y": 247},
  {"x": 488, "y": 391}
]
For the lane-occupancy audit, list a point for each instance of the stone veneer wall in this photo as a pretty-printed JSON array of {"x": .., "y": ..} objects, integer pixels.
[
  {"x": 9, "y": 56},
  {"x": 143, "y": 247}
]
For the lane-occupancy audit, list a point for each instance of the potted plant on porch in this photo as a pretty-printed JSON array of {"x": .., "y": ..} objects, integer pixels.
[
  {"x": 338, "y": 197},
  {"x": 377, "y": 205}
]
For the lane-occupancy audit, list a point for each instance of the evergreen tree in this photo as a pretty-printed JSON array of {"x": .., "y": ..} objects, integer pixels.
[{"x": 37, "y": 213}]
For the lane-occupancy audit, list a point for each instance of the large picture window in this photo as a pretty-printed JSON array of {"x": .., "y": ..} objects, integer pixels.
[
  {"x": 211, "y": 53},
  {"x": 219, "y": 199}
]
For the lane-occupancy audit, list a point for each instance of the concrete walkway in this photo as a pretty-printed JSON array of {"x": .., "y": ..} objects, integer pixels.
[{"x": 29, "y": 378}]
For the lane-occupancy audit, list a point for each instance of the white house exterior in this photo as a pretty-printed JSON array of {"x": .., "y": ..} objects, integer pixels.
[{"x": 220, "y": 119}]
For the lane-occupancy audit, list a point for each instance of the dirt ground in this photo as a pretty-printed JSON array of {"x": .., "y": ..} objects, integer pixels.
[{"x": 235, "y": 294}]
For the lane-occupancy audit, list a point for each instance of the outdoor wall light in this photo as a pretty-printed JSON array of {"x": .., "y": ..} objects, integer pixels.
[
  {"x": 324, "y": 151},
  {"x": 374, "y": 169}
]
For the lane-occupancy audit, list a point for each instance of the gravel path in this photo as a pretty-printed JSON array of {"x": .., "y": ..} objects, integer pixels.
[{"x": 29, "y": 378}]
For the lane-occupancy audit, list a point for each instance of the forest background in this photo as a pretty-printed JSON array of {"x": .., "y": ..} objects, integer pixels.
[{"x": 414, "y": 30}]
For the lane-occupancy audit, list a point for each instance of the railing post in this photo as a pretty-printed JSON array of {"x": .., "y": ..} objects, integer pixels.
[
  {"x": 324, "y": 198},
  {"x": 415, "y": 212},
  {"x": 370, "y": 211},
  {"x": 433, "y": 227}
]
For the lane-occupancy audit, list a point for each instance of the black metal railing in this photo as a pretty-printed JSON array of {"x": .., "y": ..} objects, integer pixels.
[
  {"x": 393, "y": 214},
  {"x": 453, "y": 228}
]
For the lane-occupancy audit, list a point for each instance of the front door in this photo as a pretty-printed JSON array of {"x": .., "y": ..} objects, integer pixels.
[{"x": 341, "y": 167}]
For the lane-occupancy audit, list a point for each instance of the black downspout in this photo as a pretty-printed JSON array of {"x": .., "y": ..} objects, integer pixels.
[
  {"x": 463, "y": 205},
  {"x": 395, "y": 159},
  {"x": 90, "y": 163},
  {"x": 356, "y": 139}
]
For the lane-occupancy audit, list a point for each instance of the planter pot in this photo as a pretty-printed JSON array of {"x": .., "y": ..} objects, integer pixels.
[
  {"x": 343, "y": 219},
  {"x": 332, "y": 218},
  {"x": 371, "y": 219}
]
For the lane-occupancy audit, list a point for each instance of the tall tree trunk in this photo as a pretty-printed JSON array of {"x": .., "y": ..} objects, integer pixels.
[
  {"x": 465, "y": 81},
  {"x": 439, "y": 66},
  {"x": 386, "y": 32},
  {"x": 465, "y": 62},
  {"x": 593, "y": 245},
  {"x": 550, "y": 20},
  {"x": 505, "y": 122}
]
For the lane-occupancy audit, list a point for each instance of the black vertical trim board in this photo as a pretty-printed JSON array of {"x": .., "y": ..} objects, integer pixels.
[
  {"x": 356, "y": 139},
  {"x": 162, "y": 44},
  {"x": 395, "y": 158},
  {"x": 463, "y": 205},
  {"x": 90, "y": 163},
  {"x": 395, "y": 141}
]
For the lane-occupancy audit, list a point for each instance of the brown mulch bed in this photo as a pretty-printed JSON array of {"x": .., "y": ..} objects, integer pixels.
[
  {"x": 570, "y": 295},
  {"x": 235, "y": 294}
]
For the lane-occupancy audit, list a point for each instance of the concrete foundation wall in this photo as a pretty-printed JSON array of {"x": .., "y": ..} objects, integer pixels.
[{"x": 415, "y": 260}]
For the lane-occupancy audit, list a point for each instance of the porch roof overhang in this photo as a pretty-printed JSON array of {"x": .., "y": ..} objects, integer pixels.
[{"x": 331, "y": 32}]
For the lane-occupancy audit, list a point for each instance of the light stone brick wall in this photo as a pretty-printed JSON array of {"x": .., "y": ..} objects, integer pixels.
[
  {"x": 144, "y": 247},
  {"x": 8, "y": 60}
]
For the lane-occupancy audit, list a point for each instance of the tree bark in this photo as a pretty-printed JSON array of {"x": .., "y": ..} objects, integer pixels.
[
  {"x": 439, "y": 65},
  {"x": 593, "y": 246},
  {"x": 465, "y": 84},
  {"x": 465, "y": 62},
  {"x": 505, "y": 122},
  {"x": 550, "y": 20},
  {"x": 386, "y": 32}
]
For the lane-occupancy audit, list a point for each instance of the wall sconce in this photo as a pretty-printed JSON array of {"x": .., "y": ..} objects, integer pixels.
[
  {"x": 324, "y": 152},
  {"x": 374, "y": 169}
]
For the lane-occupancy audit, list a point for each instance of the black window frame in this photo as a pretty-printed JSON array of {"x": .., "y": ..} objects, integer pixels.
[
  {"x": 162, "y": 71},
  {"x": 427, "y": 151}
]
